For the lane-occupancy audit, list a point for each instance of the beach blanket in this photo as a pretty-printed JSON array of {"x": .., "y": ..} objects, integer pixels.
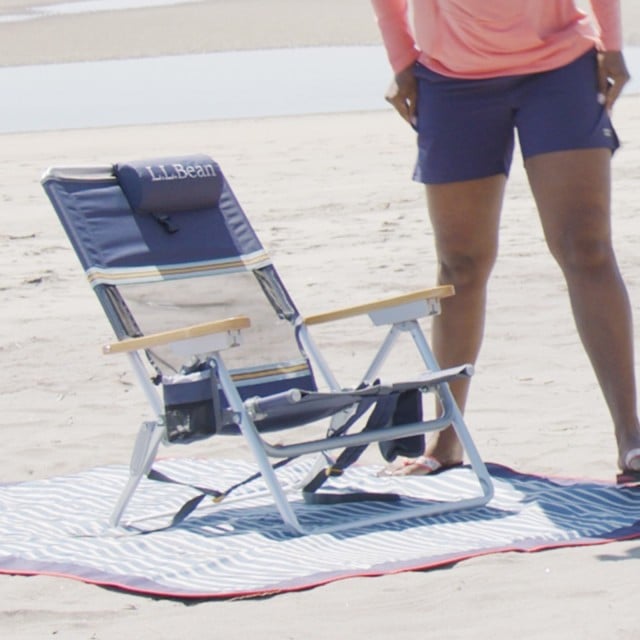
[{"x": 59, "y": 526}]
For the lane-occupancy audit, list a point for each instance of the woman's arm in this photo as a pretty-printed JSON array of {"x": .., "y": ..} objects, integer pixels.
[
  {"x": 607, "y": 13},
  {"x": 613, "y": 73},
  {"x": 393, "y": 22}
]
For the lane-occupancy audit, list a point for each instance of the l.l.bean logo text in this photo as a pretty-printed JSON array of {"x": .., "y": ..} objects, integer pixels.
[{"x": 178, "y": 171}]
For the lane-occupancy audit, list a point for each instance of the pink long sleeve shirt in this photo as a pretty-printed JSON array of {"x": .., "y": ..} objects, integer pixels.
[{"x": 486, "y": 38}]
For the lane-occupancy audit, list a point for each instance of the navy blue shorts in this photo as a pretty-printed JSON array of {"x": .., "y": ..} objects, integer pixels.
[{"x": 466, "y": 127}]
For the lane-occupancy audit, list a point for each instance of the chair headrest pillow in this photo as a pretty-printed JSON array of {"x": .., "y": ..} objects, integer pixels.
[{"x": 170, "y": 185}]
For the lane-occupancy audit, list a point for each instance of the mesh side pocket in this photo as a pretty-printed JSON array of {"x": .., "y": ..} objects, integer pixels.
[{"x": 192, "y": 405}]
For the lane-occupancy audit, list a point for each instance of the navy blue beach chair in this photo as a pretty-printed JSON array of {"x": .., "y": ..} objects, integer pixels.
[{"x": 219, "y": 347}]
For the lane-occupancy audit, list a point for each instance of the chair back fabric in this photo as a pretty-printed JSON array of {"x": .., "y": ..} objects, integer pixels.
[{"x": 165, "y": 244}]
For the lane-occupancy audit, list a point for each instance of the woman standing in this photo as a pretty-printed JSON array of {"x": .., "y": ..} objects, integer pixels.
[{"x": 468, "y": 74}]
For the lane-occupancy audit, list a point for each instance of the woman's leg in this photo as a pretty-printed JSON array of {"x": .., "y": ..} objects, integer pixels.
[
  {"x": 465, "y": 217},
  {"x": 572, "y": 192}
]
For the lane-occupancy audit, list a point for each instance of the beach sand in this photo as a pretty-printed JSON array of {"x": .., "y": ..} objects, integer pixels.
[{"x": 332, "y": 199}]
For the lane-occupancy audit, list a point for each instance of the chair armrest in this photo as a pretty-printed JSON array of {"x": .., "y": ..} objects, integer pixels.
[
  {"x": 176, "y": 335},
  {"x": 439, "y": 292}
]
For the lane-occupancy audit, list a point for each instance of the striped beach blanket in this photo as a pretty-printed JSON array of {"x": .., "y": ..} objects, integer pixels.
[{"x": 59, "y": 526}]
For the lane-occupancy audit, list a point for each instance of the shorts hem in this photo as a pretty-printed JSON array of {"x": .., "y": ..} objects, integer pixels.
[{"x": 433, "y": 180}]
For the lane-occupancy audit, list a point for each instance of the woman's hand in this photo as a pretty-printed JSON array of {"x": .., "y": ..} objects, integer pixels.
[
  {"x": 403, "y": 95},
  {"x": 612, "y": 76}
]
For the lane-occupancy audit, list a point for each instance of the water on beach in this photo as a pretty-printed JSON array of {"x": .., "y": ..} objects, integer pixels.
[
  {"x": 89, "y": 6},
  {"x": 238, "y": 84}
]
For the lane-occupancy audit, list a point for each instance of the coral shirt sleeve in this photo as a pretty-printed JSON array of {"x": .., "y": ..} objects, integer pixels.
[
  {"x": 392, "y": 18},
  {"x": 607, "y": 13}
]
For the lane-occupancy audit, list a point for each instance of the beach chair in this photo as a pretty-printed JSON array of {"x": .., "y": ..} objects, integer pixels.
[{"x": 219, "y": 347}]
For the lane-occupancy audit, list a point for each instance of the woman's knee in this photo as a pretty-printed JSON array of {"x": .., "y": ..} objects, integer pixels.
[
  {"x": 464, "y": 270},
  {"x": 583, "y": 250}
]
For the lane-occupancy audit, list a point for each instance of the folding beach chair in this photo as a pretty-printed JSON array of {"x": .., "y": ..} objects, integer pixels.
[{"x": 219, "y": 347}]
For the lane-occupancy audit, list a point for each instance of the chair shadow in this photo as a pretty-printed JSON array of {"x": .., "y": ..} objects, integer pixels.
[
  {"x": 582, "y": 507},
  {"x": 265, "y": 520}
]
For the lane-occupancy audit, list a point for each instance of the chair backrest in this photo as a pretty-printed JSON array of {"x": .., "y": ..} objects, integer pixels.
[{"x": 165, "y": 244}]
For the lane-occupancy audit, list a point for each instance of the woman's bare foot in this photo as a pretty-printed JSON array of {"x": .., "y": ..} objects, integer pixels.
[
  {"x": 631, "y": 460},
  {"x": 443, "y": 452},
  {"x": 420, "y": 466}
]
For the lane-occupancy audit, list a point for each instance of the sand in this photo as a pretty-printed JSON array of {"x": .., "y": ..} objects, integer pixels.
[{"x": 332, "y": 199}]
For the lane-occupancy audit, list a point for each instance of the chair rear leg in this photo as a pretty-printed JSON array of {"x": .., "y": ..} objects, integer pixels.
[{"x": 144, "y": 452}]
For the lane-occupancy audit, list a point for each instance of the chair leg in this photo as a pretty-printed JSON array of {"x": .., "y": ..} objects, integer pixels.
[
  {"x": 254, "y": 442},
  {"x": 144, "y": 452},
  {"x": 450, "y": 407}
]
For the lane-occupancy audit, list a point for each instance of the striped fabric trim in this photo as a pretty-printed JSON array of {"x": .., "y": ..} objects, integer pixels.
[
  {"x": 270, "y": 373},
  {"x": 157, "y": 273}
]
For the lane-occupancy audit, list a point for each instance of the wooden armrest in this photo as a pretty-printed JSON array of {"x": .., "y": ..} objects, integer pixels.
[
  {"x": 185, "y": 333},
  {"x": 443, "y": 291}
]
